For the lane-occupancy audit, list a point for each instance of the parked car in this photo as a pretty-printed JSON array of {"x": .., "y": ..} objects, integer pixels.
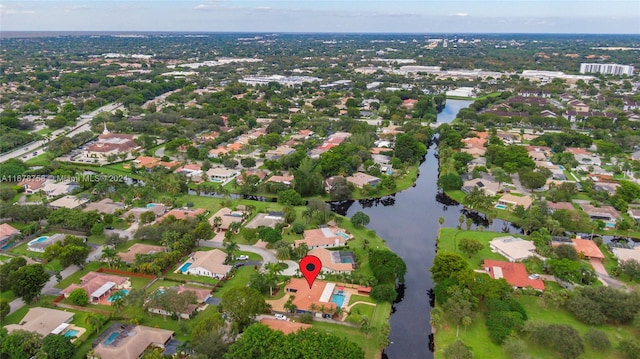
[
  {"x": 534, "y": 276},
  {"x": 242, "y": 257},
  {"x": 281, "y": 317}
]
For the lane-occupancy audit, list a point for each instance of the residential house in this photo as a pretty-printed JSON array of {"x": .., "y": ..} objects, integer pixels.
[
  {"x": 70, "y": 202},
  {"x": 329, "y": 182},
  {"x": 32, "y": 185},
  {"x": 227, "y": 216},
  {"x": 325, "y": 237},
  {"x": 157, "y": 208},
  {"x": 41, "y": 243},
  {"x": 319, "y": 295},
  {"x": 221, "y": 174},
  {"x": 111, "y": 144},
  {"x": 554, "y": 206},
  {"x": 279, "y": 152},
  {"x": 99, "y": 285},
  {"x": 209, "y": 264},
  {"x": 270, "y": 219},
  {"x": 139, "y": 248},
  {"x": 633, "y": 213},
  {"x": 512, "y": 201},
  {"x": 607, "y": 214},
  {"x": 514, "y": 273},
  {"x": 183, "y": 213},
  {"x": 201, "y": 294},
  {"x": 589, "y": 249},
  {"x": 192, "y": 171},
  {"x": 43, "y": 321},
  {"x": 247, "y": 173},
  {"x": 578, "y": 106},
  {"x": 287, "y": 180},
  {"x": 105, "y": 206},
  {"x": 487, "y": 186},
  {"x": 7, "y": 232},
  {"x": 334, "y": 261},
  {"x": 130, "y": 342},
  {"x": 360, "y": 180},
  {"x": 284, "y": 326},
  {"x": 513, "y": 248}
]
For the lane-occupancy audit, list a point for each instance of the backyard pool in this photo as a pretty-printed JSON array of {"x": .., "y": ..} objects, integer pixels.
[
  {"x": 72, "y": 333},
  {"x": 38, "y": 240},
  {"x": 185, "y": 266},
  {"x": 111, "y": 338},
  {"x": 561, "y": 167},
  {"x": 342, "y": 234},
  {"x": 151, "y": 205},
  {"x": 338, "y": 298},
  {"x": 117, "y": 295},
  {"x": 501, "y": 206}
]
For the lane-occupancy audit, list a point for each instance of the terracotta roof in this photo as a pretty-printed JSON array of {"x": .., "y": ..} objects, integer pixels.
[
  {"x": 92, "y": 281},
  {"x": 560, "y": 205},
  {"x": 305, "y": 296},
  {"x": 588, "y": 248},
  {"x": 284, "y": 326},
  {"x": 321, "y": 237},
  {"x": 7, "y": 230},
  {"x": 33, "y": 183},
  {"x": 514, "y": 273},
  {"x": 139, "y": 248}
]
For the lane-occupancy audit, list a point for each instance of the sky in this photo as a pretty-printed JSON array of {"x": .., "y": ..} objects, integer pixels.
[{"x": 389, "y": 16}]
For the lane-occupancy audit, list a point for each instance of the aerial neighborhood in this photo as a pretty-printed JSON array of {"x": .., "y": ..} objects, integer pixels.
[{"x": 158, "y": 193}]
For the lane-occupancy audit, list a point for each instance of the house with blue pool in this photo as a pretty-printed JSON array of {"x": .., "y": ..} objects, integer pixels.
[{"x": 206, "y": 263}]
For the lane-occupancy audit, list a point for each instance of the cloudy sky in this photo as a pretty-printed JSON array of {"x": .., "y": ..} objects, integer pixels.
[{"x": 421, "y": 16}]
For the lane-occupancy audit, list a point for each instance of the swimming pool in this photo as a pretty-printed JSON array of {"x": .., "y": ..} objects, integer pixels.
[
  {"x": 342, "y": 234},
  {"x": 338, "y": 298},
  {"x": 185, "y": 267},
  {"x": 151, "y": 205},
  {"x": 113, "y": 297},
  {"x": 501, "y": 206},
  {"x": 71, "y": 333},
  {"x": 561, "y": 167},
  {"x": 111, "y": 338},
  {"x": 38, "y": 240}
]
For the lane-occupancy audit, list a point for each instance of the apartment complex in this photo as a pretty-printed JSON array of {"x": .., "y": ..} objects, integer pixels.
[{"x": 607, "y": 69}]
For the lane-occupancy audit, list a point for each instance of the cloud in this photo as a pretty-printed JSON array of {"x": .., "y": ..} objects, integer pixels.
[
  {"x": 459, "y": 14},
  {"x": 5, "y": 10}
]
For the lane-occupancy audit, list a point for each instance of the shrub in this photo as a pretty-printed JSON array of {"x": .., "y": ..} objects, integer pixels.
[
  {"x": 306, "y": 318},
  {"x": 597, "y": 340},
  {"x": 79, "y": 297},
  {"x": 630, "y": 349},
  {"x": 298, "y": 228},
  {"x": 384, "y": 293},
  {"x": 458, "y": 350},
  {"x": 515, "y": 348}
]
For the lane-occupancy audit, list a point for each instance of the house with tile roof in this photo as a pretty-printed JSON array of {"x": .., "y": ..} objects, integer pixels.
[
  {"x": 130, "y": 342},
  {"x": 209, "y": 264},
  {"x": 319, "y": 295},
  {"x": 325, "y": 237},
  {"x": 514, "y": 273},
  {"x": 7, "y": 232}
]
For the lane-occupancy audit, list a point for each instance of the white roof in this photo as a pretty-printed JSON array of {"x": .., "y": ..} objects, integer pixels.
[
  {"x": 497, "y": 272},
  {"x": 60, "y": 328},
  {"x": 326, "y": 293},
  {"x": 103, "y": 289}
]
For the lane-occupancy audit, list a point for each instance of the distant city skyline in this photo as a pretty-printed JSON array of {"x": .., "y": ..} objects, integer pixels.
[{"x": 417, "y": 16}]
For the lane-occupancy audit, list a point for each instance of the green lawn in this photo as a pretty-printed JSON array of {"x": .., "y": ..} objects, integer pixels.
[
  {"x": 7, "y": 295},
  {"x": 369, "y": 345},
  {"x": 4, "y": 258},
  {"x": 22, "y": 251},
  {"x": 450, "y": 238},
  {"x": 239, "y": 280},
  {"x": 360, "y": 298},
  {"x": 359, "y": 311}
]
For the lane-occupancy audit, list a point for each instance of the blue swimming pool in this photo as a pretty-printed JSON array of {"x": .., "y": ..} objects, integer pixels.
[
  {"x": 117, "y": 295},
  {"x": 342, "y": 234},
  {"x": 501, "y": 206},
  {"x": 151, "y": 205},
  {"x": 338, "y": 298},
  {"x": 71, "y": 333},
  {"x": 38, "y": 240},
  {"x": 111, "y": 338},
  {"x": 185, "y": 267}
]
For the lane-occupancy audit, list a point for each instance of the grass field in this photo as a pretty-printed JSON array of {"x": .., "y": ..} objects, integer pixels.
[{"x": 450, "y": 239}]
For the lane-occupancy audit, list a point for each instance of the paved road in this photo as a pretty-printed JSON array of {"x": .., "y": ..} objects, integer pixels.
[
  {"x": 49, "y": 287},
  {"x": 268, "y": 256},
  {"x": 82, "y": 126},
  {"x": 126, "y": 233}
]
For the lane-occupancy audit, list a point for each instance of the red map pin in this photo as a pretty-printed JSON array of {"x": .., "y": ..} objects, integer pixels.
[{"x": 310, "y": 266}]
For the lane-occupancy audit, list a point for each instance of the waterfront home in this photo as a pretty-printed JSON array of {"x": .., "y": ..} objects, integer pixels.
[
  {"x": 360, "y": 180},
  {"x": 607, "y": 214},
  {"x": 284, "y": 326},
  {"x": 511, "y": 201},
  {"x": 7, "y": 232},
  {"x": 309, "y": 300},
  {"x": 325, "y": 237},
  {"x": 512, "y": 248},
  {"x": 221, "y": 174},
  {"x": 334, "y": 261},
  {"x": 514, "y": 273}
]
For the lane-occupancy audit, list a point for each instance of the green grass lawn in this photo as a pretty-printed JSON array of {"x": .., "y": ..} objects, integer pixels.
[
  {"x": 369, "y": 345},
  {"x": 22, "y": 251},
  {"x": 40, "y": 160},
  {"x": 360, "y": 298},
  {"x": 359, "y": 311},
  {"x": 7, "y": 295},
  {"x": 4, "y": 258},
  {"x": 450, "y": 238},
  {"x": 239, "y": 280}
]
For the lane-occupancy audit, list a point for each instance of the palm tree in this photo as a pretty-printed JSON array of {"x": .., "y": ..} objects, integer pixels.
[
  {"x": 460, "y": 221},
  {"x": 95, "y": 321},
  {"x": 308, "y": 214},
  {"x": 230, "y": 247},
  {"x": 313, "y": 308},
  {"x": 109, "y": 255},
  {"x": 440, "y": 222},
  {"x": 338, "y": 311},
  {"x": 234, "y": 227},
  {"x": 217, "y": 221},
  {"x": 273, "y": 270}
]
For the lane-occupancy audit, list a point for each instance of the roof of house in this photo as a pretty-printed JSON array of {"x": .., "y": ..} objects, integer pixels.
[
  {"x": 7, "y": 231},
  {"x": 321, "y": 237},
  {"x": 560, "y": 205},
  {"x": 317, "y": 294},
  {"x": 515, "y": 248},
  {"x": 265, "y": 219},
  {"x": 280, "y": 179},
  {"x": 70, "y": 202},
  {"x": 41, "y": 320},
  {"x": 139, "y": 248},
  {"x": 284, "y": 326},
  {"x": 360, "y": 179},
  {"x": 331, "y": 260},
  {"x": 514, "y": 273},
  {"x": 201, "y": 293},
  {"x": 33, "y": 183},
  {"x": 227, "y": 216},
  {"x": 106, "y": 205},
  {"x": 181, "y": 213},
  {"x": 213, "y": 261},
  {"x": 524, "y": 201},
  {"x": 600, "y": 211},
  {"x": 588, "y": 248},
  {"x": 93, "y": 281},
  {"x": 222, "y": 172},
  {"x": 134, "y": 344}
]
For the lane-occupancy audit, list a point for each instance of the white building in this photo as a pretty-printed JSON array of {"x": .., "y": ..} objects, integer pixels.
[{"x": 607, "y": 69}]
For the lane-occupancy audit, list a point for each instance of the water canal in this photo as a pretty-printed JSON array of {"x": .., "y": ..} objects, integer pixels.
[{"x": 408, "y": 222}]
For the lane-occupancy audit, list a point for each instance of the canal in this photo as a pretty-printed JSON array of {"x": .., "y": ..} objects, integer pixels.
[{"x": 408, "y": 222}]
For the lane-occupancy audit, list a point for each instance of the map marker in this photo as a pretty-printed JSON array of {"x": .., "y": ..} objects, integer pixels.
[{"x": 310, "y": 267}]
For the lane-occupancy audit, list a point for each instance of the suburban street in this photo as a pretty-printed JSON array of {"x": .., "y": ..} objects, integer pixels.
[
  {"x": 268, "y": 256},
  {"x": 82, "y": 125}
]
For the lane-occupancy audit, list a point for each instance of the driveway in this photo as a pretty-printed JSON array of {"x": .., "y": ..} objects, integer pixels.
[
  {"x": 292, "y": 270},
  {"x": 126, "y": 233}
]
